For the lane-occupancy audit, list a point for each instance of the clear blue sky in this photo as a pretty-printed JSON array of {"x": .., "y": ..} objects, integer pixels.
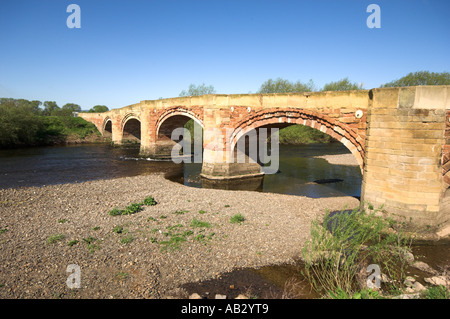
[{"x": 128, "y": 51}]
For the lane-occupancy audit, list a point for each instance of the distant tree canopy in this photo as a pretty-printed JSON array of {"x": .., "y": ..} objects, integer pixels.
[
  {"x": 98, "y": 109},
  {"x": 342, "y": 85},
  {"x": 421, "y": 78},
  {"x": 284, "y": 86},
  {"x": 201, "y": 89}
]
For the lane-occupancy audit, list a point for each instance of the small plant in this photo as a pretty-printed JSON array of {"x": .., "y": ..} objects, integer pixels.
[
  {"x": 126, "y": 240},
  {"x": 132, "y": 209},
  {"x": 72, "y": 243},
  {"x": 149, "y": 201},
  {"x": 151, "y": 219},
  {"x": 90, "y": 242},
  {"x": 96, "y": 228},
  {"x": 181, "y": 212},
  {"x": 202, "y": 212},
  {"x": 197, "y": 223},
  {"x": 437, "y": 292},
  {"x": 62, "y": 221},
  {"x": 115, "y": 212},
  {"x": 55, "y": 238},
  {"x": 122, "y": 275},
  {"x": 4, "y": 230},
  {"x": 118, "y": 229},
  {"x": 237, "y": 219}
]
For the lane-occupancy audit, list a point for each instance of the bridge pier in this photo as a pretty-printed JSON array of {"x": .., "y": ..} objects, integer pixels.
[
  {"x": 157, "y": 150},
  {"x": 406, "y": 136}
]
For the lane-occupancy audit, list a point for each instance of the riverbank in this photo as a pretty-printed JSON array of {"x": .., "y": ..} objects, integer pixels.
[{"x": 187, "y": 237}]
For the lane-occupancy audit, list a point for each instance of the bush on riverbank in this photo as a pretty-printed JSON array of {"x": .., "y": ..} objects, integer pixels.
[{"x": 342, "y": 247}]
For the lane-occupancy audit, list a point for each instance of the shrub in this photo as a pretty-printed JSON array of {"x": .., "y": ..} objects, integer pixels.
[
  {"x": 149, "y": 201},
  {"x": 237, "y": 219}
]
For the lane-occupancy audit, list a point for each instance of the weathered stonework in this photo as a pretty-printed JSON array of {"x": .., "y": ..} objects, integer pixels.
[{"x": 399, "y": 136}]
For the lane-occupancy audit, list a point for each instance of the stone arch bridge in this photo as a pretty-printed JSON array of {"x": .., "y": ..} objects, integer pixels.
[{"x": 400, "y": 137}]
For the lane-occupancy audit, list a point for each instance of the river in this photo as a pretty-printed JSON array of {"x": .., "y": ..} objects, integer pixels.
[{"x": 298, "y": 169}]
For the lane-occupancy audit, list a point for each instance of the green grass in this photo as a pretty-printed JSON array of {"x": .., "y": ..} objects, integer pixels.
[
  {"x": 72, "y": 243},
  {"x": 118, "y": 229},
  {"x": 237, "y": 219},
  {"x": 92, "y": 244},
  {"x": 149, "y": 201},
  {"x": 197, "y": 223},
  {"x": 55, "y": 238},
  {"x": 437, "y": 292},
  {"x": 133, "y": 208},
  {"x": 345, "y": 243},
  {"x": 126, "y": 240}
]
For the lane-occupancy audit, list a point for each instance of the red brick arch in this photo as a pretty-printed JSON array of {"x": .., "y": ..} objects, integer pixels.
[
  {"x": 333, "y": 127},
  {"x": 128, "y": 117},
  {"x": 194, "y": 114}
]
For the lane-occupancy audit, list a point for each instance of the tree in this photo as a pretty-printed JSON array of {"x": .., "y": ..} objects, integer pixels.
[
  {"x": 421, "y": 78},
  {"x": 284, "y": 86},
  {"x": 341, "y": 85},
  {"x": 99, "y": 109},
  {"x": 72, "y": 107},
  {"x": 198, "y": 90},
  {"x": 50, "y": 107}
]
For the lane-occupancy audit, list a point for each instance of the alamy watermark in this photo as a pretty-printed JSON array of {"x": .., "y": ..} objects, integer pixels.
[
  {"x": 374, "y": 19},
  {"x": 74, "y": 19},
  {"x": 252, "y": 147},
  {"x": 74, "y": 279}
]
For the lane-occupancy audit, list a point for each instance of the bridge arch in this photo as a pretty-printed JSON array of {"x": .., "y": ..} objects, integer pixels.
[
  {"x": 106, "y": 129},
  {"x": 285, "y": 117},
  {"x": 175, "y": 117},
  {"x": 131, "y": 127}
]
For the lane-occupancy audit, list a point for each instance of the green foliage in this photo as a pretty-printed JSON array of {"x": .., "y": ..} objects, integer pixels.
[
  {"x": 421, "y": 78},
  {"x": 22, "y": 123},
  {"x": 126, "y": 240},
  {"x": 300, "y": 134},
  {"x": 132, "y": 209},
  {"x": 55, "y": 238},
  {"x": 285, "y": 86},
  {"x": 363, "y": 294},
  {"x": 91, "y": 243},
  {"x": 195, "y": 90},
  {"x": 345, "y": 243},
  {"x": 437, "y": 292},
  {"x": 72, "y": 243},
  {"x": 115, "y": 212},
  {"x": 149, "y": 201},
  {"x": 197, "y": 223},
  {"x": 237, "y": 219},
  {"x": 98, "y": 109},
  {"x": 341, "y": 85}
]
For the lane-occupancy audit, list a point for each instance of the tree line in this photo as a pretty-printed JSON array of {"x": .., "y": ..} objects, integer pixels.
[{"x": 26, "y": 123}]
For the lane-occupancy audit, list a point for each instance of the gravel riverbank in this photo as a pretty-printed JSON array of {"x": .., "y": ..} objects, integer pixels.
[{"x": 186, "y": 237}]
